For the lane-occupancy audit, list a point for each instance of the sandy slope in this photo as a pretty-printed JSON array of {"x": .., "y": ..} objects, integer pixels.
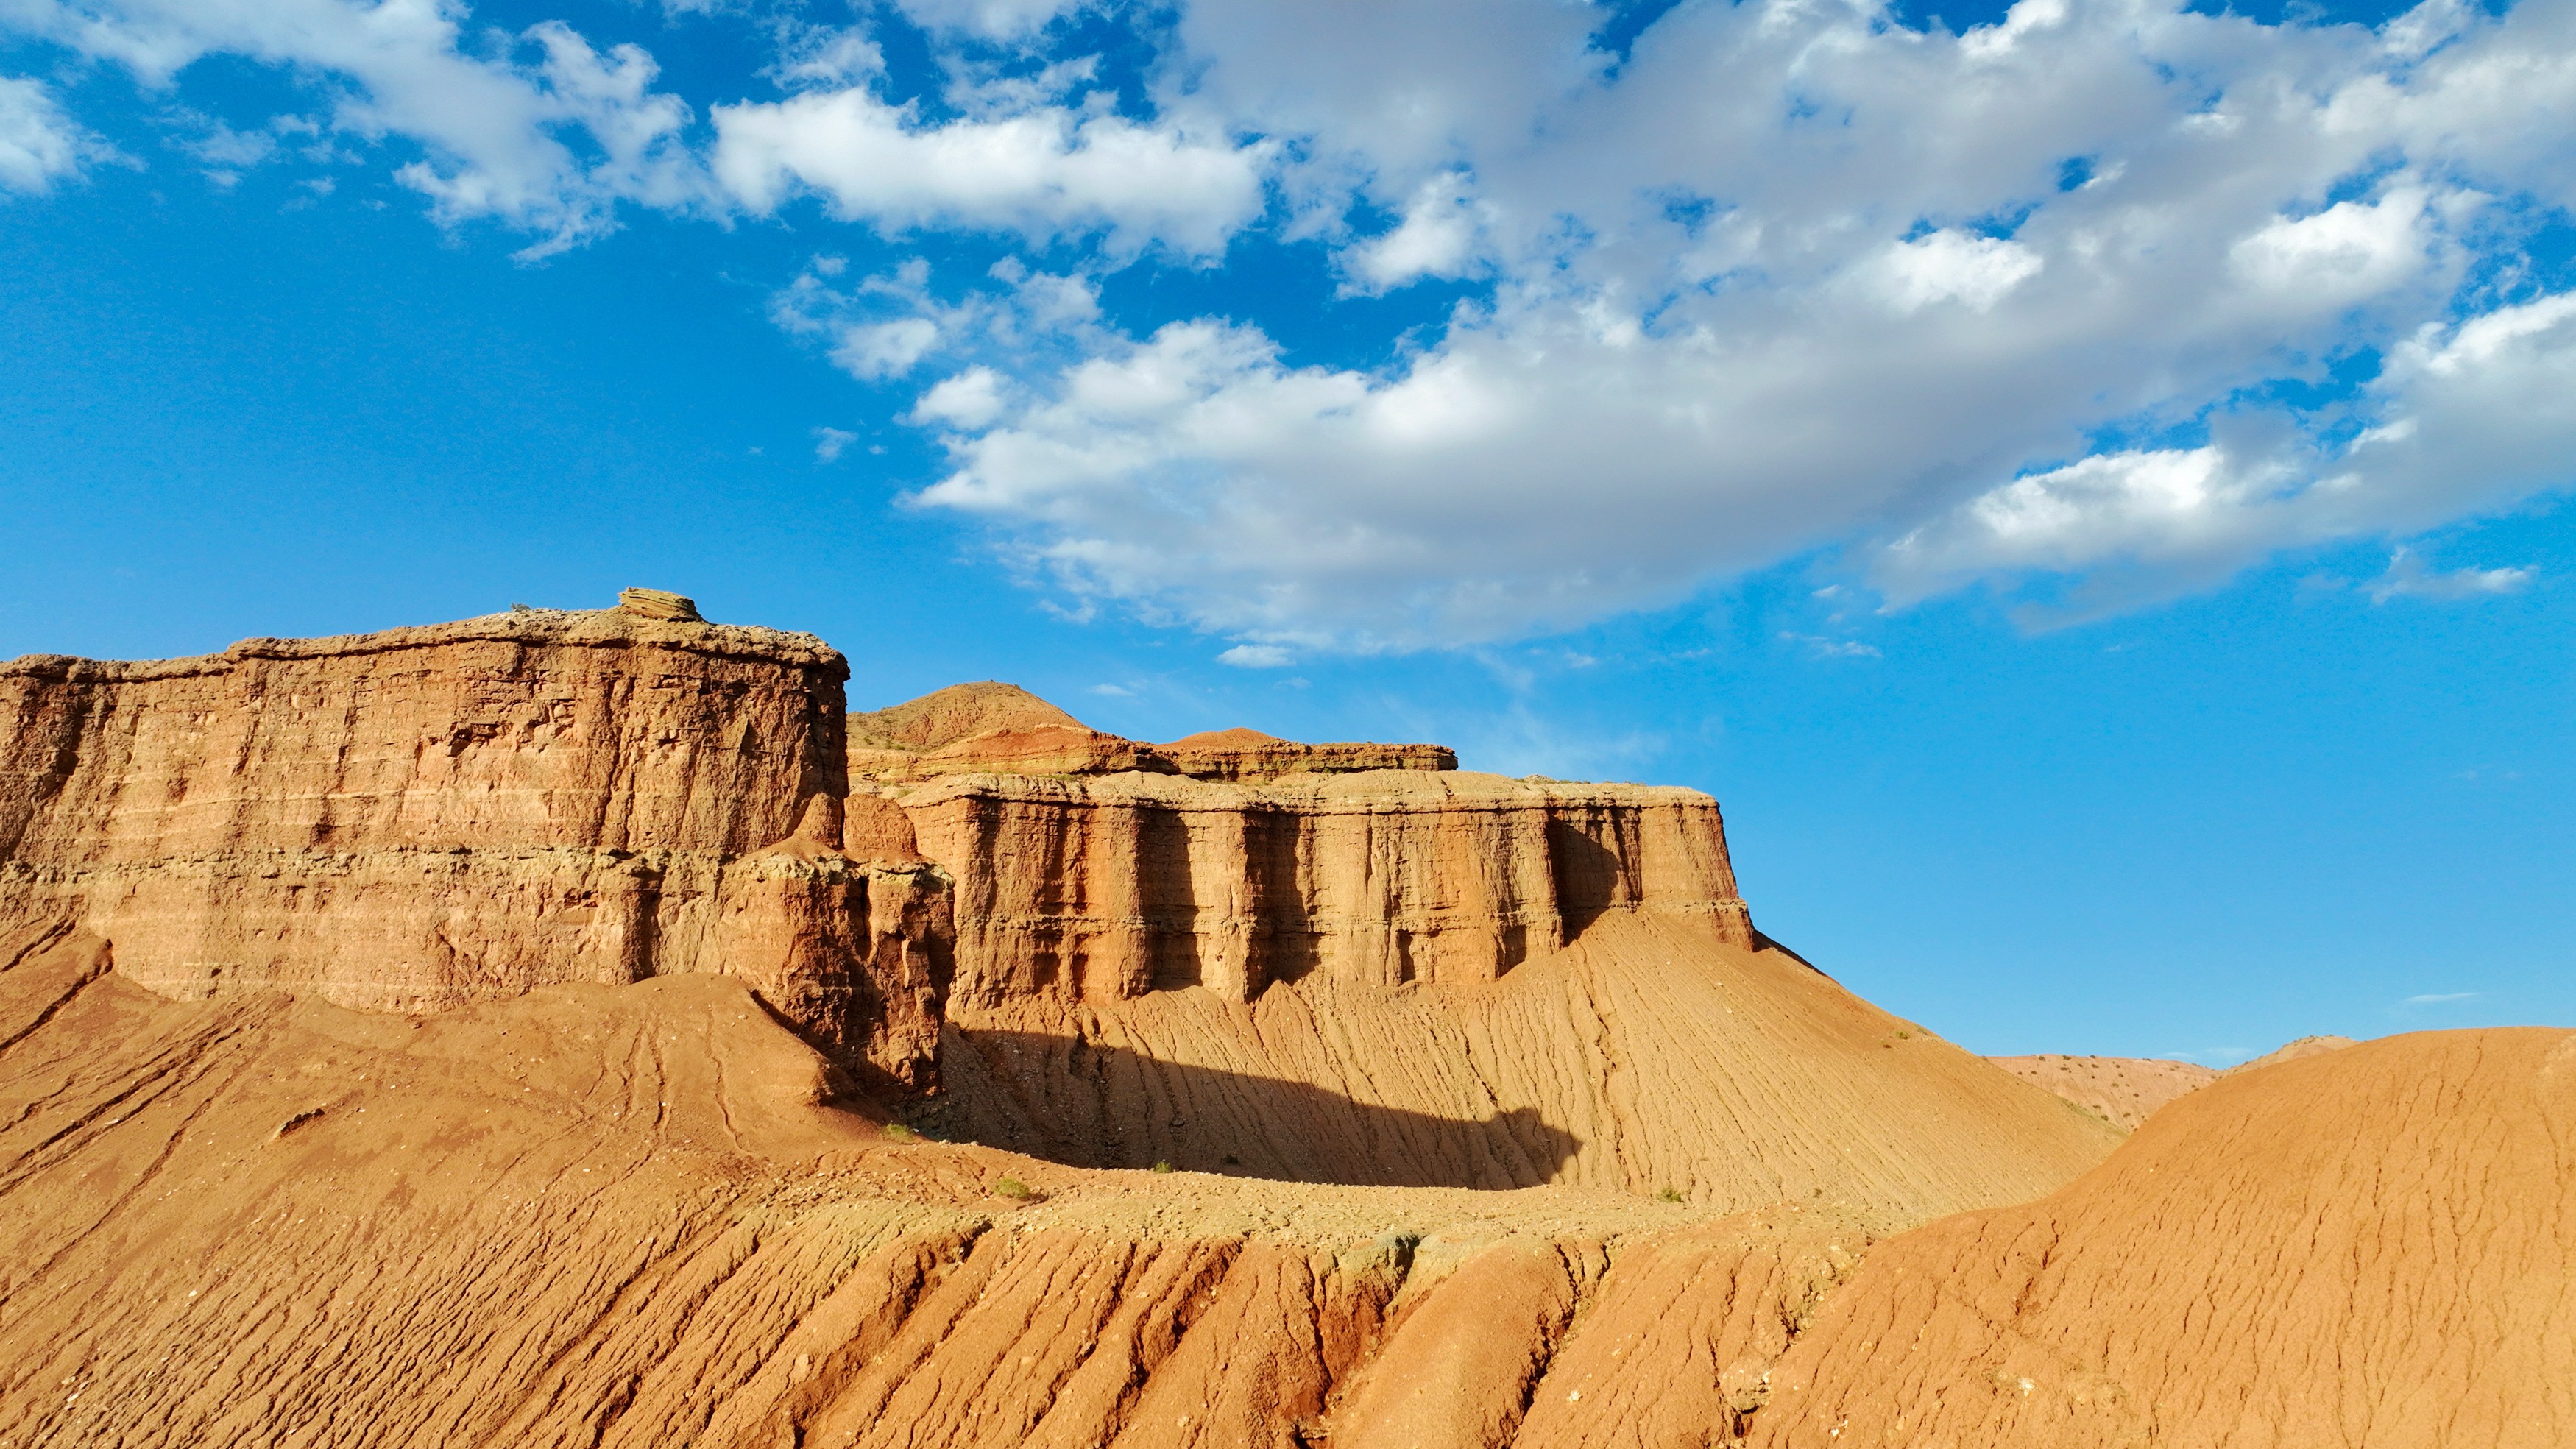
[
  {"x": 2371, "y": 1246},
  {"x": 616, "y": 1215},
  {"x": 1649, "y": 1055},
  {"x": 621, "y": 1216}
]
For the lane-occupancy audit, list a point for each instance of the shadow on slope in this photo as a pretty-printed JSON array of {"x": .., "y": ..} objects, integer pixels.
[{"x": 1086, "y": 1104}]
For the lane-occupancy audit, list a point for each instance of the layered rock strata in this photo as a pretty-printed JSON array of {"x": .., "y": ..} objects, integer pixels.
[
  {"x": 1105, "y": 889},
  {"x": 423, "y": 817},
  {"x": 1242, "y": 755}
]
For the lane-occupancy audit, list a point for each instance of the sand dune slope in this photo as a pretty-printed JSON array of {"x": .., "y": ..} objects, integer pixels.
[{"x": 2375, "y": 1246}]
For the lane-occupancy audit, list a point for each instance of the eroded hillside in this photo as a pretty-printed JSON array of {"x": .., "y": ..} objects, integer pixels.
[{"x": 501, "y": 1032}]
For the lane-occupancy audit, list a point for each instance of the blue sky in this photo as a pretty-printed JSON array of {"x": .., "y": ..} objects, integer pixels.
[{"x": 2085, "y": 484}]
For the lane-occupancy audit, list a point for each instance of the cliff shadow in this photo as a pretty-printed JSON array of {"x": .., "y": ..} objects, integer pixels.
[
  {"x": 1588, "y": 876},
  {"x": 1087, "y": 1105}
]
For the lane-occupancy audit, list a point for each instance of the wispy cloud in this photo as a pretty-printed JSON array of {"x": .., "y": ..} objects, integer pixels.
[
  {"x": 1832, "y": 648},
  {"x": 1257, "y": 656},
  {"x": 2407, "y": 577},
  {"x": 2436, "y": 998}
]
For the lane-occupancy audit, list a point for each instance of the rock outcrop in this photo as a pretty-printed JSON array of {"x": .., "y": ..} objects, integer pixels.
[
  {"x": 2306, "y": 1046},
  {"x": 419, "y": 818}
]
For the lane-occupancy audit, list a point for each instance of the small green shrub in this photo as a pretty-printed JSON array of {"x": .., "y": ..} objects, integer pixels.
[
  {"x": 1014, "y": 1189},
  {"x": 1162, "y": 1167},
  {"x": 1670, "y": 1194},
  {"x": 901, "y": 1133}
]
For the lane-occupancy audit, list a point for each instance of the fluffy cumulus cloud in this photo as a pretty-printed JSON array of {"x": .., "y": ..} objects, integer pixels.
[
  {"x": 2109, "y": 299},
  {"x": 1792, "y": 276},
  {"x": 1043, "y": 172}
]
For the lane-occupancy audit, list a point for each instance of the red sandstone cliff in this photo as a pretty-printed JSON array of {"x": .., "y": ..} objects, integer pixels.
[
  {"x": 423, "y": 817},
  {"x": 1105, "y": 889}
]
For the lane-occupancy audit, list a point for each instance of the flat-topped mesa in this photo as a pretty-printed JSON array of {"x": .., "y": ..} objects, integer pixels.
[
  {"x": 1110, "y": 888},
  {"x": 416, "y": 818}
]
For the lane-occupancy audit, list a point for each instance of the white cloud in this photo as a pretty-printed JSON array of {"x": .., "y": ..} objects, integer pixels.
[
  {"x": 2437, "y": 998},
  {"x": 1711, "y": 343},
  {"x": 825, "y": 56},
  {"x": 1825, "y": 648},
  {"x": 39, "y": 145},
  {"x": 988, "y": 19},
  {"x": 2470, "y": 417},
  {"x": 2340, "y": 255},
  {"x": 829, "y": 443},
  {"x": 880, "y": 350},
  {"x": 2161, "y": 505},
  {"x": 1951, "y": 266},
  {"x": 1046, "y": 173},
  {"x": 1789, "y": 276},
  {"x": 1435, "y": 238},
  {"x": 972, "y": 399},
  {"x": 2408, "y": 578},
  {"x": 1257, "y": 656},
  {"x": 885, "y": 327},
  {"x": 547, "y": 136}
]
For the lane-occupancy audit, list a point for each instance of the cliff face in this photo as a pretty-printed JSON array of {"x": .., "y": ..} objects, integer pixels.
[
  {"x": 418, "y": 818},
  {"x": 1106, "y": 889},
  {"x": 423, "y": 817}
]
